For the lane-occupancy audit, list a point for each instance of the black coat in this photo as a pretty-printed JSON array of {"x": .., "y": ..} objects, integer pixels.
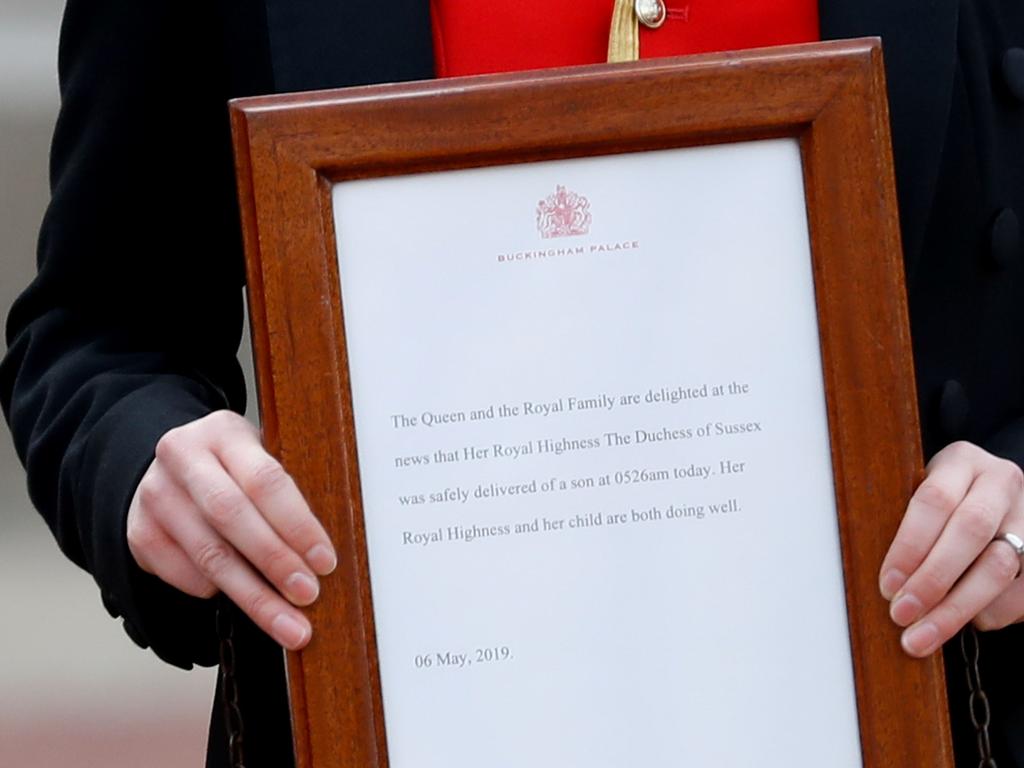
[{"x": 132, "y": 325}]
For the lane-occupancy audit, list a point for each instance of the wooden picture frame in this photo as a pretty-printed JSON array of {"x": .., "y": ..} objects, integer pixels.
[{"x": 291, "y": 150}]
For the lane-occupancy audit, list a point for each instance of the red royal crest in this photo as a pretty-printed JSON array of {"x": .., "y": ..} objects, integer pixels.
[{"x": 563, "y": 214}]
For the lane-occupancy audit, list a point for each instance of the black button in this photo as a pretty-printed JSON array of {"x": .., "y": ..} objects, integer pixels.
[
  {"x": 1005, "y": 246},
  {"x": 133, "y": 632},
  {"x": 1013, "y": 72},
  {"x": 954, "y": 410},
  {"x": 111, "y": 604}
]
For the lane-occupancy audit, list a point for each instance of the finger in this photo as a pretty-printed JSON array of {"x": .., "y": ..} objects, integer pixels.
[
  {"x": 991, "y": 574},
  {"x": 153, "y": 550},
  {"x": 929, "y": 510},
  {"x": 173, "y": 566},
  {"x": 1006, "y": 609},
  {"x": 233, "y": 516},
  {"x": 223, "y": 566},
  {"x": 275, "y": 494},
  {"x": 969, "y": 531}
]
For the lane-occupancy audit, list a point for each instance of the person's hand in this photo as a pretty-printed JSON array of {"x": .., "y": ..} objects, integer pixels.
[
  {"x": 943, "y": 569},
  {"x": 214, "y": 512}
]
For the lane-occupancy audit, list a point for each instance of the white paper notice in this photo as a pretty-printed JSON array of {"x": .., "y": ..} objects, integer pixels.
[{"x": 595, "y": 463}]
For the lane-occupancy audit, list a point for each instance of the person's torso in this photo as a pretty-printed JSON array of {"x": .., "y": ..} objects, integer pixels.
[{"x": 958, "y": 122}]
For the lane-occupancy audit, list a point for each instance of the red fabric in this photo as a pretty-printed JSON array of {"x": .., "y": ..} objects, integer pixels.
[{"x": 471, "y": 37}]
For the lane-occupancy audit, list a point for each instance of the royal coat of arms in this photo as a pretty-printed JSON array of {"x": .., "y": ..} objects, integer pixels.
[{"x": 563, "y": 214}]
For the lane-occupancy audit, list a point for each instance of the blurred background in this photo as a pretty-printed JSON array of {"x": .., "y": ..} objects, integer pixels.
[{"x": 106, "y": 703}]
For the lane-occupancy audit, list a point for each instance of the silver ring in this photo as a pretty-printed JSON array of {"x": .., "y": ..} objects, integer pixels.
[{"x": 1013, "y": 540}]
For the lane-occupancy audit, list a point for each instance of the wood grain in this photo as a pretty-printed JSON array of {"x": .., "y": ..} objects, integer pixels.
[{"x": 291, "y": 149}]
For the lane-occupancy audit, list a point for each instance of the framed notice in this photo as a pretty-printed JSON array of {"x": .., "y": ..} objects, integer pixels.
[{"x": 600, "y": 381}]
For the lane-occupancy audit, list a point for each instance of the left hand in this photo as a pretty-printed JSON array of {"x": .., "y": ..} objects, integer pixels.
[{"x": 943, "y": 569}]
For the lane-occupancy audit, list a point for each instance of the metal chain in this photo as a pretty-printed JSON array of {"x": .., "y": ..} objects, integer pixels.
[
  {"x": 981, "y": 713},
  {"x": 229, "y": 686}
]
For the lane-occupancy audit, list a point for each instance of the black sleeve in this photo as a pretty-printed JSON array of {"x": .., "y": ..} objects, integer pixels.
[
  {"x": 1009, "y": 442},
  {"x": 132, "y": 325}
]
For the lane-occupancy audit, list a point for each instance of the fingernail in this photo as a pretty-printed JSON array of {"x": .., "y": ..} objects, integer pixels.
[
  {"x": 289, "y": 632},
  {"x": 905, "y": 610},
  {"x": 322, "y": 559},
  {"x": 891, "y": 582},
  {"x": 301, "y": 589},
  {"x": 921, "y": 640}
]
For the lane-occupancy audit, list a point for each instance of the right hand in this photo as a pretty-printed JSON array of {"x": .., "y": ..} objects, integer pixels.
[{"x": 215, "y": 512}]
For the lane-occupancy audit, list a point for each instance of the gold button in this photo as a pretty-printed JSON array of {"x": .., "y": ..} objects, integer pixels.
[{"x": 651, "y": 13}]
